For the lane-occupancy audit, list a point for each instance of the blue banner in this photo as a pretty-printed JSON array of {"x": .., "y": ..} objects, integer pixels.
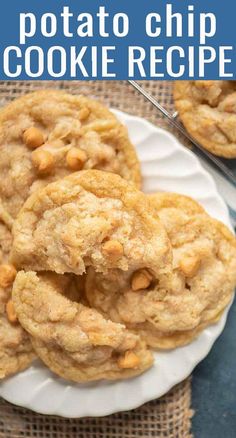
[{"x": 146, "y": 39}]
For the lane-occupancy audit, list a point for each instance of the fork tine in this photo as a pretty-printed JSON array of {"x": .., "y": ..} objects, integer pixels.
[{"x": 207, "y": 155}]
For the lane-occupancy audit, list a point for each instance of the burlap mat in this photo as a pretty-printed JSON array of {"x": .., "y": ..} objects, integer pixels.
[{"x": 168, "y": 417}]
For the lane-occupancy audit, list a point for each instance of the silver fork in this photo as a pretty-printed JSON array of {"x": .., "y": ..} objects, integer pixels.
[
  {"x": 232, "y": 216},
  {"x": 215, "y": 162}
]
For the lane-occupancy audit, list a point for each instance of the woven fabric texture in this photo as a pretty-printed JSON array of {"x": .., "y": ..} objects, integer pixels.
[{"x": 168, "y": 417}]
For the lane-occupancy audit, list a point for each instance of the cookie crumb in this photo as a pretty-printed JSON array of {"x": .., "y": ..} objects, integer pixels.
[
  {"x": 189, "y": 265},
  {"x": 11, "y": 313},
  {"x": 113, "y": 249}
]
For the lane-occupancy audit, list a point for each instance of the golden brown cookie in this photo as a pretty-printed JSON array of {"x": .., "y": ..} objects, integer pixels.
[
  {"x": 168, "y": 200},
  {"x": 74, "y": 341},
  {"x": 16, "y": 352},
  {"x": 171, "y": 309},
  {"x": 90, "y": 218},
  {"x": 47, "y": 135},
  {"x": 43, "y": 137},
  {"x": 208, "y": 112}
]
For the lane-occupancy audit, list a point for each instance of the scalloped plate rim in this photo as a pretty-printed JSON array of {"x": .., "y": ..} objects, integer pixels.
[{"x": 214, "y": 330}]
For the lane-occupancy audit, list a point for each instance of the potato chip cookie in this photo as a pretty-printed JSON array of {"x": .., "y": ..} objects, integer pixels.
[
  {"x": 47, "y": 135},
  {"x": 90, "y": 218},
  {"x": 74, "y": 341},
  {"x": 171, "y": 309},
  {"x": 164, "y": 200},
  {"x": 208, "y": 112},
  {"x": 43, "y": 137},
  {"x": 16, "y": 352}
]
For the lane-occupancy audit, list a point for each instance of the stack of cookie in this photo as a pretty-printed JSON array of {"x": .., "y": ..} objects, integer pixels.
[{"x": 94, "y": 274}]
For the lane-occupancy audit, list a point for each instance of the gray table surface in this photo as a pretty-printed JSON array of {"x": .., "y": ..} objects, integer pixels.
[
  {"x": 214, "y": 387},
  {"x": 214, "y": 379}
]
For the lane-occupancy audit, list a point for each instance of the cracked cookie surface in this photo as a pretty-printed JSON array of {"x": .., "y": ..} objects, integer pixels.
[
  {"x": 44, "y": 136},
  {"x": 47, "y": 135},
  {"x": 208, "y": 112},
  {"x": 90, "y": 218},
  {"x": 170, "y": 309},
  {"x": 74, "y": 341}
]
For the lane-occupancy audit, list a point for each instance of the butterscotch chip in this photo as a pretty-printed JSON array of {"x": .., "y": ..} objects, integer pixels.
[
  {"x": 33, "y": 137},
  {"x": 7, "y": 275},
  {"x": 76, "y": 158},
  {"x": 129, "y": 360},
  {"x": 190, "y": 265},
  {"x": 84, "y": 113},
  {"x": 113, "y": 248},
  {"x": 11, "y": 313},
  {"x": 141, "y": 280},
  {"x": 43, "y": 161}
]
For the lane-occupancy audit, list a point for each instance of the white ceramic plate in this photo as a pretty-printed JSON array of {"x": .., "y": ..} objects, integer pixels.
[{"x": 167, "y": 166}]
